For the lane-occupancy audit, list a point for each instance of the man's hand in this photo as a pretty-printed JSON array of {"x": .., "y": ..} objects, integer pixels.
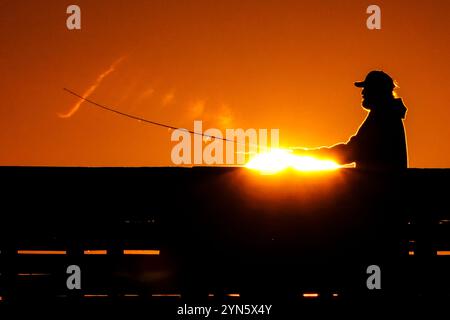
[{"x": 300, "y": 151}]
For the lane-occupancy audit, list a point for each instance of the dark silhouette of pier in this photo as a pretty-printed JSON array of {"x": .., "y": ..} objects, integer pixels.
[{"x": 222, "y": 234}]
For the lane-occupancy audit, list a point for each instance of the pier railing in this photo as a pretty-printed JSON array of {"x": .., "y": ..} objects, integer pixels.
[{"x": 147, "y": 233}]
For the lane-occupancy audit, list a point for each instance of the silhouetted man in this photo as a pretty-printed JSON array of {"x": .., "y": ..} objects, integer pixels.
[{"x": 380, "y": 142}]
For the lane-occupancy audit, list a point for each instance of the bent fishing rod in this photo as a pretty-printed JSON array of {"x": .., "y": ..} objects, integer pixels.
[{"x": 104, "y": 107}]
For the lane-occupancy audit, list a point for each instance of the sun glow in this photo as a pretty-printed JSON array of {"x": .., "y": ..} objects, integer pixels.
[{"x": 277, "y": 160}]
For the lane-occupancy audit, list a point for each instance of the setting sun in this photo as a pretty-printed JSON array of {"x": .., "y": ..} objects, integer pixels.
[{"x": 277, "y": 160}]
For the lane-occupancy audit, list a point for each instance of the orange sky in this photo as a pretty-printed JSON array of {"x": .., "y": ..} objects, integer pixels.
[{"x": 233, "y": 64}]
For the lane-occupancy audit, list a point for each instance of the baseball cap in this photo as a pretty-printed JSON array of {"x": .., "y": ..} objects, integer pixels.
[{"x": 376, "y": 79}]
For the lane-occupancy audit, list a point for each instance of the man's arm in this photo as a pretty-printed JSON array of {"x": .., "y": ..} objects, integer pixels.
[{"x": 342, "y": 153}]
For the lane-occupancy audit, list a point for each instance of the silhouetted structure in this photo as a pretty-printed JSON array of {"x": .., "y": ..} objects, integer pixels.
[{"x": 220, "y": 231}]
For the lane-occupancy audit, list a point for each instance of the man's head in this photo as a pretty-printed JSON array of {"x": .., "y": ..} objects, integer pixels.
[{"x": 378, "y": 88}]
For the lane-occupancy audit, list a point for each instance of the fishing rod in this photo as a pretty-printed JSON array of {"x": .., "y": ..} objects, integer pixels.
[
  {"x": 140, "y": 119},
  {"x": 104, "y": 107}
]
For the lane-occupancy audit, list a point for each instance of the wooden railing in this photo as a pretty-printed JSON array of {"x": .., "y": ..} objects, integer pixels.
[{"x": 152, "y": 233}]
